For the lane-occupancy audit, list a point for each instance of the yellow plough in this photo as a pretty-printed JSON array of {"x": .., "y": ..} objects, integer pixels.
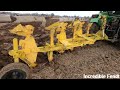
[{"x": 28, "y": 48}]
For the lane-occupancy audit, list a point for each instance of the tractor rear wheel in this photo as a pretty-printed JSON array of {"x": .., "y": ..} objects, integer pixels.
[
  {"x": 15, "y": 71},
  {"x": 94, "y": 28}
]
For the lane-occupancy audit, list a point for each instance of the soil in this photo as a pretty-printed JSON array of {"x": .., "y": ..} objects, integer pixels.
[{"x": 101, "y": 58}]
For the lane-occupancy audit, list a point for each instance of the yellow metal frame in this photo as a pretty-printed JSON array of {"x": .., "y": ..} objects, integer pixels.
[{"x": 27, "y": 49}]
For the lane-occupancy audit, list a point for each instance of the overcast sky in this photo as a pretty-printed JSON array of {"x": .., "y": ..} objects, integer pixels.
[{"x": 61, "y": 13}]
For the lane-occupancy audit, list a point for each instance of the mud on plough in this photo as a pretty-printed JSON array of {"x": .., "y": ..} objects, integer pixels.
[{"x": 27, "y": 50}]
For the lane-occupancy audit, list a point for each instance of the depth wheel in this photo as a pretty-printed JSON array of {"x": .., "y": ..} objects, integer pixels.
[{"x": 15, "y": 71}]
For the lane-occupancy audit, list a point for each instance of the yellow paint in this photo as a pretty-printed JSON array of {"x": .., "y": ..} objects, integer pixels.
[
  {"x": 28, "y": 47},
  {"x": 15, "y": 47},
  {"x": 77, "y": 28}
]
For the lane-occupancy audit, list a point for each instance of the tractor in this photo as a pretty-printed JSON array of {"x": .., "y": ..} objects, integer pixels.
[{"x": 112, "y": 28}]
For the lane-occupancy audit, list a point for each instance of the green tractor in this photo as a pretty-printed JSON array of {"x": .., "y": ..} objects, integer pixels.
[{"x": 112, "y": 28}]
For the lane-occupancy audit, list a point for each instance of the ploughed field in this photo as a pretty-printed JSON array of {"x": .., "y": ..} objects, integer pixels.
[{"x": 101, "y": 58}]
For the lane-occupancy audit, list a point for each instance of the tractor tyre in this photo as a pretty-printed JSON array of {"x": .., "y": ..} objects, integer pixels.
[
  {"x": 94, "y": 28},
  {"x": 15, "y": 71}
]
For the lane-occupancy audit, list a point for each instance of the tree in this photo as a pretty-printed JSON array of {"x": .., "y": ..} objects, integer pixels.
[{"x": 52, "y": 14}]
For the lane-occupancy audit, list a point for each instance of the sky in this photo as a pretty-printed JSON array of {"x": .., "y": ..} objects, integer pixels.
[{"x": 61, "y": 13}]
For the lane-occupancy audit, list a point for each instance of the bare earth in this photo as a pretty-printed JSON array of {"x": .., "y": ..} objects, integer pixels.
[{"x": 101, "y": 58}]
